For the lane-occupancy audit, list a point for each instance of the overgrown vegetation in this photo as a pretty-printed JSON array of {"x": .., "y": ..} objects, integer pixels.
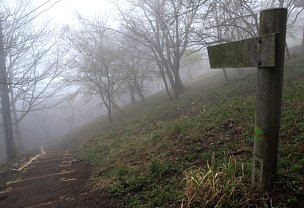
[
  {"x": 220, "y": 184},
  {"x": 160, "y": 155}
]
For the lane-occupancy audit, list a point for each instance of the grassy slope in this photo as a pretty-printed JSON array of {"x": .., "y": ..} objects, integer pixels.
[{"x": 142, "y": 160}]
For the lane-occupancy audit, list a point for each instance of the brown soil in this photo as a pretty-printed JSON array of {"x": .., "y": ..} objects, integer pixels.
[{"x": 55, "y": 179}]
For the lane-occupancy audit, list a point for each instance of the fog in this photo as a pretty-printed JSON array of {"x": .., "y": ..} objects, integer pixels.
[
  {"x": 49, "y": 125},
  {"x": 44, "y": 127},
  {"x": 53, "y": 124},
  {"x": 69, "y": 63}
]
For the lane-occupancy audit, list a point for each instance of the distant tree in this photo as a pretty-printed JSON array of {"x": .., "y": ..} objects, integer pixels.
[
  {"x": 96, "y": 60},
  {"x": 231, "y": 20},
  {"x": 137, "y": 66},
  {"x": 5, "y": 105},
  {"x": 70, "y": 99},
  {"x": 189, "y": 60},
  {"x": 44, "y": 124},
  {"x": 164, "y": 26}
]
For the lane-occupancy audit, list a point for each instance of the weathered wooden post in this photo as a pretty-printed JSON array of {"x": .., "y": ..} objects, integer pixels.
[
  {"x": 268, "y": 102},
  {"x": 267, "y": 53}
]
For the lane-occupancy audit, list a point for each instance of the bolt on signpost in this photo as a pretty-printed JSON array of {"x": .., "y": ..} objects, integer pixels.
[{"x": 267, "y": 54}]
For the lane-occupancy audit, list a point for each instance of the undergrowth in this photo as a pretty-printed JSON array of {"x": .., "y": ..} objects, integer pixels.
[
  {"x": 219, "y": 184},
  {"x": 161, "y": 155}
]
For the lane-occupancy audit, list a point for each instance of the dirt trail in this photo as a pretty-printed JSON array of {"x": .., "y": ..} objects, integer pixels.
[{"x": 55, "y": 179}]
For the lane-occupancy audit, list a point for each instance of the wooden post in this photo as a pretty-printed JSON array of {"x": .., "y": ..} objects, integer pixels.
[
  {"x": 268, "y": 102},
  {"x": 5, "y": 104},
  {"x": 267, "y": 53}
]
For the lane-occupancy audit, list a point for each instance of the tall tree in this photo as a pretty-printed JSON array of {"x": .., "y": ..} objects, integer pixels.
[
  {"x": 164, "y": 26},
  {"x": 231, "y": 20},
  {"x": 34, "y": 63},
  {"x": 137, "y": 66},
  {"x": 5, "y": 103},
  {"x": 96, "y": 59}
]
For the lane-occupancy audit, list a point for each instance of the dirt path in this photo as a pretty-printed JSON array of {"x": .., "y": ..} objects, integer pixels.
[{"x": 55, "y": 179}]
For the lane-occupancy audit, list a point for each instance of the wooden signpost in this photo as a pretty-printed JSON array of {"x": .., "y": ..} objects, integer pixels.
[{"x": 267, "y": 54}]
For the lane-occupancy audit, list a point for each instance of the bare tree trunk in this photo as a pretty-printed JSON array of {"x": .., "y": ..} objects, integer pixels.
[
  {"x": 225, "y": 74},
  {"x": 140, "y": 92},
  {"x": 179, "y": 87},
  {"x": 141, "y": 95},
  {"x": 110, "y": 114},
  {"x": 5, "y": 103},
  {"x": 132, "y": 95},
  {"x": 108, "y": 103},
  {"x": 118, "y": 108},
  {"x": 190, "y": 73},
  {"x": 109, "y": 94},
  {"x": 19, "y": 143},
  {"x": 17, "y": 137},
  {"x": 170, "y": 76},
  {"x": 162, "y": 73},
  {"x": 72, "y": 118},
  {"x": 287, "y": 51}
]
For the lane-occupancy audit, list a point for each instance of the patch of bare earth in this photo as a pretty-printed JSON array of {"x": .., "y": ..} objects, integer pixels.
[{"x": 55, "y": 179}]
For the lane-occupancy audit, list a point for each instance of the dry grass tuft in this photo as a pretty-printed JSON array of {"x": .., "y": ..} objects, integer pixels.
[{"x": 218, "y": 185}]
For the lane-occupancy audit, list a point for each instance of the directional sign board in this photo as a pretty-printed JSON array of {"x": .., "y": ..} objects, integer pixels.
[{"x": 254, "y": 52}]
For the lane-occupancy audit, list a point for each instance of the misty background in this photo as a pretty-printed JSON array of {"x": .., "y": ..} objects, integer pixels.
[{"x": 56, "y": 82}]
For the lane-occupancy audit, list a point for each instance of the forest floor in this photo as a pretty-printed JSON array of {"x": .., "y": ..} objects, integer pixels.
[{"x": 142, "y": 159}]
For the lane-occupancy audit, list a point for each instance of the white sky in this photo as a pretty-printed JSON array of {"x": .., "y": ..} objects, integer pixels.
[{"x": 64, "y": 11}]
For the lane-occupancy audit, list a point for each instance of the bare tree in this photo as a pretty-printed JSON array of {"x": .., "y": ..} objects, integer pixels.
[
  {"x": 231, "y": 20},
  {"x": 228, "y": 20},
  {"x": 33, "y": 61},
  {"x": 137, "y": 67},
  {"x": 71, "y": 100},
  {"x": 164, "y": 26},
  {"x": 189, "y": 61},
  {"x": 96, "y": 59},
  {"x": 5, "y": 105}
]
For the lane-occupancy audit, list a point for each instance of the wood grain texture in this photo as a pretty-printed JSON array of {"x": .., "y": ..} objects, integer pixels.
[
  {"x": 253, "y": 52},
  {"x": 268, "y": 100}
]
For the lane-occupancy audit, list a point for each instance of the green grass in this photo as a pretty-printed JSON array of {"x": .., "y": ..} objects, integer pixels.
[
  {"x": 142, "y": 159},
  {"x": 220, "y": 184}
]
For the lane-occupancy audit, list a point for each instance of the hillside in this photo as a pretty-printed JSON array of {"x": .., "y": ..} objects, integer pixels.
[
  {"x": 143, "y": 161},
  {"x": 191, "y": 152}
]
